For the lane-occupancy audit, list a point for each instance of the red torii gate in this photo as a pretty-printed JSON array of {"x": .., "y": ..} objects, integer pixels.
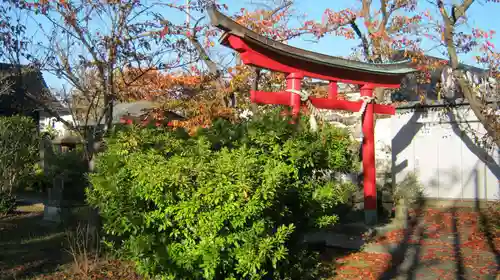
[{"x": 262, "y": 52}]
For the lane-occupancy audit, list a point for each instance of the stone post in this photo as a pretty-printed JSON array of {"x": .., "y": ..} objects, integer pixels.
[{"x": 57, "y": 208}]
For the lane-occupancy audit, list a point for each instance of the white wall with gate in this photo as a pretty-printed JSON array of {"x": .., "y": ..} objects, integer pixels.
[{"x": 438, "y": 146}]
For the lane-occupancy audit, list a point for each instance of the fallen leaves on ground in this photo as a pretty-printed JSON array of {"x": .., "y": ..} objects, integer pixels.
[
  {"x": 438, "y": 225},
  {"x": 362, "y": 265},
  {"x": 28, "y": 245},
  {"x": 451, "y": 242}
]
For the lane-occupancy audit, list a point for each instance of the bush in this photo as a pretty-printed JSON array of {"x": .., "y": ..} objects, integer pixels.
[
  {"x": 18, "y": 151},
  {"x": 232, "y": 202},
  {"x": 409, "y": 191},
  {"x": 38, "y": 181},
  {"x": 71, "y": 167},
  {"x": 7, "y": 203}
]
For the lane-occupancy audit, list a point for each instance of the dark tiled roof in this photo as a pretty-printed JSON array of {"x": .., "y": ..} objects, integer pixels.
[
  {"x": 33, "y": 82},
  {"x": 458, "y": 102},
  {"x": 227, "y": 24}
]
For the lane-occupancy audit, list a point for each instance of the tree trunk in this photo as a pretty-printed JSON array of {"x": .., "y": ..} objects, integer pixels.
[{"x": 490, "y": 124}]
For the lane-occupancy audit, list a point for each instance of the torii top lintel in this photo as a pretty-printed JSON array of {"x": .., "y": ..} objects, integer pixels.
[{"x": 262, "y": 52}]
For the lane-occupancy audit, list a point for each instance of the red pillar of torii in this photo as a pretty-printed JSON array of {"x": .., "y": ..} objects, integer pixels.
[
  {"x": 263, "y": 52},
  {"x": 368, "y": 146}
]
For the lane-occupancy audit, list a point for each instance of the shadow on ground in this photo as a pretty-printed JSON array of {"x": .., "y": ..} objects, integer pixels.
[
  {"x": 447, "y": 243},
  {"x": 436, "y": 244},
  {"x": 30, "y": 246},
  {"x": 451, "y": 244}
]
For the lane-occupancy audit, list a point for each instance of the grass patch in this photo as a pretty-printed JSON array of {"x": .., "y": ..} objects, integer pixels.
[
  {"x": 31, "y": 208},
  {"x": 32, "y": 248}
]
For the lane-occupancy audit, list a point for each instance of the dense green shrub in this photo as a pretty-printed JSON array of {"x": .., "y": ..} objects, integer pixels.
[
  {"x": 71, "y": 167},
  {"x": 18, "y": 151},
  {"x": 7, "y": 203},
  {"x": 232, "y": 202},
  {"x": 38, "y": 181}
]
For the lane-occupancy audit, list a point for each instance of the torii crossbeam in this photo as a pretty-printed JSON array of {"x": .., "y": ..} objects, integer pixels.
[{"x": 262, "y": 52}]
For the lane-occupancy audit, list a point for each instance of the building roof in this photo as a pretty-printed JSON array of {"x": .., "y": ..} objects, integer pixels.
[
  {"x": 400, "y": 55},
  {"x": 442, "y": 88},
  {"x": 33, "y": 82},
  {"x": 135, "y": 109},
  {"x": 458, "y": 102}
]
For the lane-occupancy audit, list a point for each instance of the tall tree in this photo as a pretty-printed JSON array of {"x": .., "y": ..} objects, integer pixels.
[
  {"x": 88, "y": 44},
  {"x": 213, "y": 87},
  {"x": 455, "y": 41},
  {"x": 386, "y": 27},
  {"x": 380, "y": 28}
]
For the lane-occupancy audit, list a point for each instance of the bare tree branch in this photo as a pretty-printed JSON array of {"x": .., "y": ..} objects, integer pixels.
[
  {"x": 490, "y": 123},
  {"x": 364, "y": 40},
  {"x": 459, "y": 11}
]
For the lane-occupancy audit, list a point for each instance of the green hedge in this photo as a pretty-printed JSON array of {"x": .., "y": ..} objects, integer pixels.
[
  {"x": 18, "y": 151},
  {"x": 7, "y": 203},
  {"x": 232, "y": 202}
]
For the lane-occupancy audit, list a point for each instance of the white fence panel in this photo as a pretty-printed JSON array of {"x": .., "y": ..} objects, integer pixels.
[{"x": 446, "y": 160}]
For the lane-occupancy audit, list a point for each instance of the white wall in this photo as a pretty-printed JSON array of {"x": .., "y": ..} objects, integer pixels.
[
  {"x": 47, "y": 121},
  {"x": 383, "y": 139},
  {"x": 448, "y": 163}
]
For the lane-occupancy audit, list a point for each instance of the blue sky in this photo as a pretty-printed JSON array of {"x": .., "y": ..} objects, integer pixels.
[{"x": 486, "y": 16}]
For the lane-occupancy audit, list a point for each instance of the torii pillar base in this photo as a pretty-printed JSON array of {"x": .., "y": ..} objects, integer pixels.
[{"x": 371, "y": 217}]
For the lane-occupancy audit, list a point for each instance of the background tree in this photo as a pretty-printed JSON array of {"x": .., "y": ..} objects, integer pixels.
[
  {"x": 387, "y": 28},
  {"x": 457, "y": 42},
  {"x": 380, "y": 28},
  {"x": 18, "y": 151},
  {"x": 87, "y": 45},
  {"x": 217, "y": 84}
]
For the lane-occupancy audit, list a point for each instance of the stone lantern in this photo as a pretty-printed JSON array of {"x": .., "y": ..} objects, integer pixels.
[{"x": 57, "y": 208}]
